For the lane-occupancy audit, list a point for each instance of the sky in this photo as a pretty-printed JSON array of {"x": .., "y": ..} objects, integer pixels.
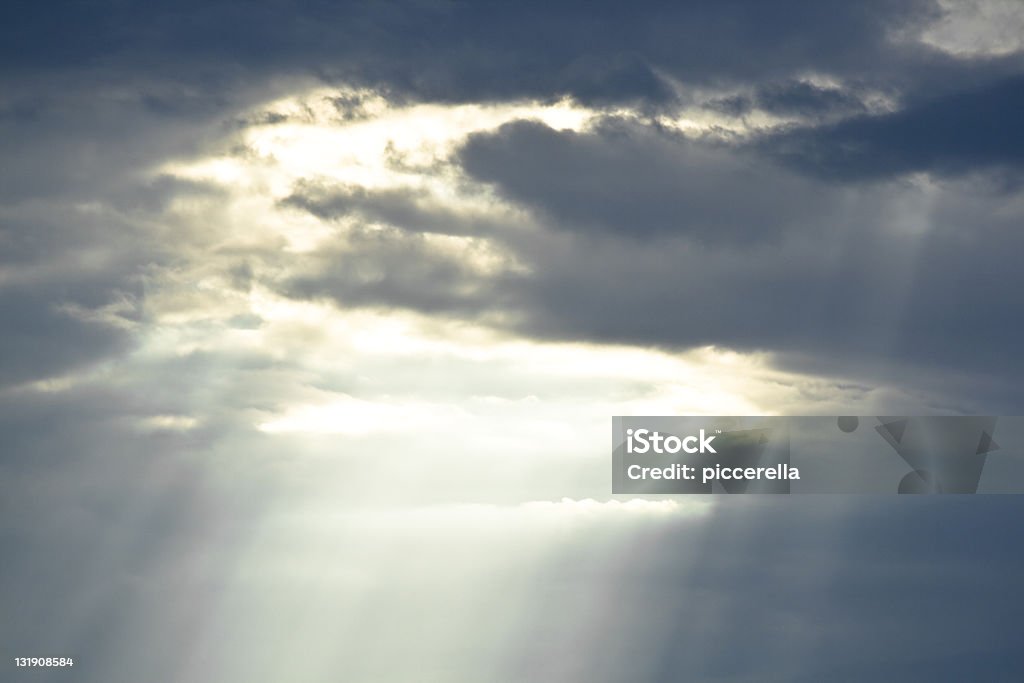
[{"x": 315, "y": 316}]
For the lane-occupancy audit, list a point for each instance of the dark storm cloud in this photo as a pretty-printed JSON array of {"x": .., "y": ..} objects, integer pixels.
[
  {"x": 633, "y": 180},
  {"x": 977, "y": 129},
  {"x": 80, "y": 134},
  {"x": 858, "y": 286},
  {"x": 793, "y": 98},
  {"x": 597, "y": 51}
]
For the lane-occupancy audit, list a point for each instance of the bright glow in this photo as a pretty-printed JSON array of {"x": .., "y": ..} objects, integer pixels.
[
  {"x": 173, "y": 423},
  {"x": 352, "y": 416},
  {"x": 386, "y": 373}
]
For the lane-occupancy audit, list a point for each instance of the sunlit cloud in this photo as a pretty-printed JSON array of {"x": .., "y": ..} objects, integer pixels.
[
  {"x": 385, "y": 145},
  {"x": 977, "y": 28},
  {"x": 347, "y": 415}
]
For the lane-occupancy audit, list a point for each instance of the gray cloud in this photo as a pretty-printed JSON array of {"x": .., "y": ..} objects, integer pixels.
[
  {"x": 631, "y": 180},
  {"x": 404, "y": 208},
  {"x": 79, "y": 201},
  {"x": 656, "y": 240},
  {"x": 951, "y": 135},
  {"x": 42, "y": 341},
  {"x": 877, "y": 281},
  {"x": 394, "y": 269},
  {"x": 596, "y": 52},
  {"x": 793, "y": 97},
  {"x": 861, "y": 288}
]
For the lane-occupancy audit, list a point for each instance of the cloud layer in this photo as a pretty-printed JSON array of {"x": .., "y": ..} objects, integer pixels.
[{"x": 315, "y": 315}]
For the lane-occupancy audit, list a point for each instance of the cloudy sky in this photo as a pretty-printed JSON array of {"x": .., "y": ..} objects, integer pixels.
[{"x": 315, "y": 316}]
